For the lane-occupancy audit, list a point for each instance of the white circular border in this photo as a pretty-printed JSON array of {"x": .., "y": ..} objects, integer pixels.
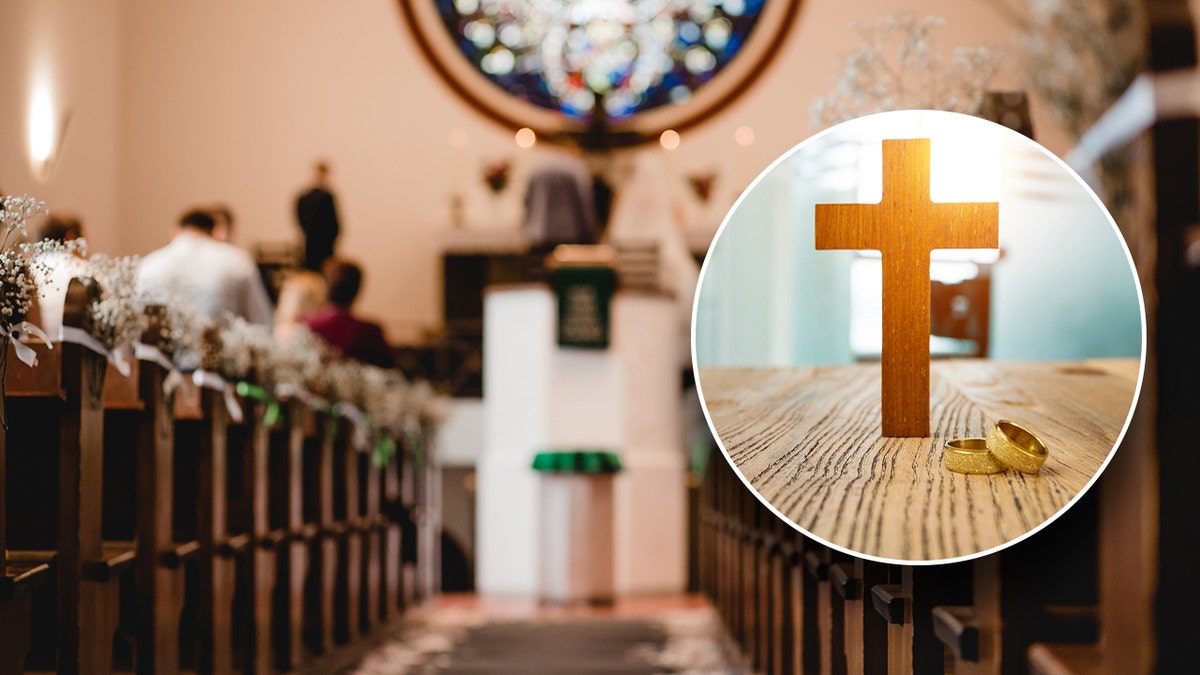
[{"x": 939, "y": 561}]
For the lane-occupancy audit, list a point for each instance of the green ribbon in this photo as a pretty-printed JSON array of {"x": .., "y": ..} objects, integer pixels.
[
  {"x": 274, "y": 412},
  {"x": 577, "y": 461},
  {"x": 385, "y": 450}
]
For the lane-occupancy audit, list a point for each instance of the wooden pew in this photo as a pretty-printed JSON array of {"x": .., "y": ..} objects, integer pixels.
[
  {"x": 319, "y": 508},
  {"x": 140, "y": 504},
  {"x": 56, "y": 455},
  {"x": 347, "y": 524},
  {"x": 392, "y": 560},
  {"x": 817, "y": 622},
  {"x": 253, "y": 516},
  {"x": 908, "y": 608},
  {"x": 781, "y": 616},
  {"x": 20, "y": 575},
  {"x": 373, "y": 529},
  {"x": 287, "y": 511},
  {"x": 211, "y": 432}
]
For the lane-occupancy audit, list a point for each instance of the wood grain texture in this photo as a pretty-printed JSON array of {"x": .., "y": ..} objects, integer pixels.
[
  {"x": 807, "y": 439},
  {"x": 905, "y": 226}
]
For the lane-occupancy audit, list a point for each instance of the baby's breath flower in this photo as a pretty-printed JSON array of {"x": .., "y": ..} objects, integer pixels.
[
  {"x": 898, "y": 68},
  {"x": 117, "y": 318}
]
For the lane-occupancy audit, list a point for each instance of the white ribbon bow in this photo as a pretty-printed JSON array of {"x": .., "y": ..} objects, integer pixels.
[
  {"x": 207, "y": 380},
  {"x": 118, "y": 357},
  {"x": 174, "y": 378},
  {"x": 286, "y": 390},
  {"x": 360, "y": 438},
  {"x": 24, "y": 352}
]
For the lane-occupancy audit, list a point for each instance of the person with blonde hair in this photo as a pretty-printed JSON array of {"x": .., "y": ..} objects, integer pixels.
[
  {"x": 301, "y": 293},
  {"x": 352, "y": 336}
]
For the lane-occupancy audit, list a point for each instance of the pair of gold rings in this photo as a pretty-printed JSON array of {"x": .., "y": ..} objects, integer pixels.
[{"x": 1008, "y": 445}]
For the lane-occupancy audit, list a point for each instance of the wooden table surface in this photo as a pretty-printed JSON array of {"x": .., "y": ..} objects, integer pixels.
[{"x": 808, "y": 440}]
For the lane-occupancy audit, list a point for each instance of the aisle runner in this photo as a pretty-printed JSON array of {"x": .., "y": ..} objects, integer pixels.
[{"x": 450, "y": 642}]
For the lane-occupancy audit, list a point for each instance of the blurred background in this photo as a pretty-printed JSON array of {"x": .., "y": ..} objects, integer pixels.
[{"x": 1062, "y": 285}]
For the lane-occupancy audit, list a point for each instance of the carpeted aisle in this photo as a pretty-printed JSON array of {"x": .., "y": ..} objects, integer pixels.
[{"x": 474, "y": 641}]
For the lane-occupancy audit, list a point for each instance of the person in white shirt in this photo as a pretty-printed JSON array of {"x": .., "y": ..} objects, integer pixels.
[{"x": 218, "y": 277}]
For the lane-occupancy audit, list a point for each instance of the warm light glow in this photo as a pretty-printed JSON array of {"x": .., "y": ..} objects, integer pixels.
[
  {"x": 458, "y": 138},
  {"x": 966, "y": 167},
  {"x": 669, "y": 139},
  {"x": 744, "y": 136},
  {"x": 41, "y": 125},
  {"x": 525, "y": 137}
]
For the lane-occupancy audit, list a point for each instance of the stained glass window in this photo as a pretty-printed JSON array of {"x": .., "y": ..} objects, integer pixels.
[{"x": 634, "y": 55}]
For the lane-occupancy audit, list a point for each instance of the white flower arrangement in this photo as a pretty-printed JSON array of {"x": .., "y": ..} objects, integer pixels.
[
  {"x": 385, "y": 395},
  {"x": 17, "y": 285},
  {"x": 244, "y": 349},
  {"x": 117, "y": 317},
  {"x": 296, "y": 363},
  {"x": 345, "y": 380},
  {"x": 898, "y": 68},
  {"x": 177, "y": 325}
]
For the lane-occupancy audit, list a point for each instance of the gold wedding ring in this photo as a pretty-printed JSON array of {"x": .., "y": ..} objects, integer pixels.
[
  {"x": 971, "y": 455},
  {"x": 1017, "y": 447}
]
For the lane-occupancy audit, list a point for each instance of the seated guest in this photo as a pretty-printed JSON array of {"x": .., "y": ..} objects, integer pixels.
[
  {"x": 353, "y": 337},
  {"x": 302, "y": 293},
  {"x": 223, "y": 229},
  {"x": 218, "y": 277}
]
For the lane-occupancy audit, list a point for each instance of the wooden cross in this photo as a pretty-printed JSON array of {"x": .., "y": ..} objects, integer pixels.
[{"x": 905, "y": 226}]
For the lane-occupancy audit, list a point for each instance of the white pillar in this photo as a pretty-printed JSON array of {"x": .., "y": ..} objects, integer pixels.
[{"x": 539, "y": 397}]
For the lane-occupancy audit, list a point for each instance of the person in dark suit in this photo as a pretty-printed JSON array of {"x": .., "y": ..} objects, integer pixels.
[
  {"x": 335, "y": 324},
  {"x": 316, "y": 212}
]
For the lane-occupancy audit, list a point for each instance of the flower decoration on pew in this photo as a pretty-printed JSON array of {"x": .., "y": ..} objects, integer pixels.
[
  {"x": 177, "y": 326},
  {"x": 347, "y": 389},
  {"x": 296, "y": 364},
  {"x": 386, "y": 402},
  {"x": 118, "y": 318},
  {"x": 19, "y": 267},
  {"x": 244, "y": 350},
  {"x": 18, "y": 284}
]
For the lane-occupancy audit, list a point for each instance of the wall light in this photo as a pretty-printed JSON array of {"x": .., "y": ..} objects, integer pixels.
[
  {"x": 669, "y": 139},
  {"x": 525, "y": 137},
  {"x": 46, "y": 132}
]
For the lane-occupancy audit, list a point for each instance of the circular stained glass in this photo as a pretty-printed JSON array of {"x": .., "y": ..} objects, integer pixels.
[
  {"x": 648, "y": 64},
  {"x": 564, "y": 54}
]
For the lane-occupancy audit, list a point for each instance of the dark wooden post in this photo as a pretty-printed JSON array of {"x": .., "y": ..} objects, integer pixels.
[
  {"x": 373, "y": 531},
  {"x": 326, "y": 564},
  {"x": 262, "y": 559},
  {"x": 216, "y": 563},
  {"x": 288, "y": 486},
  {"x": 160, "y": 579},
  {"x": 393, "y": 601},
  {"x": 350, "y": 570}
]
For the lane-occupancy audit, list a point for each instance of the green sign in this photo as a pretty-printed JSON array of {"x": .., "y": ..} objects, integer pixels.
[{"x": 584, "y": 297}]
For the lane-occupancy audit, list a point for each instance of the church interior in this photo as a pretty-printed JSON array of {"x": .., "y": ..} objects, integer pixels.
[{"x": 380, "y": 357}]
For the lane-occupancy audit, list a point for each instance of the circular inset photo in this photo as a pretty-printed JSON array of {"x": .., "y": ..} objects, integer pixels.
[{"x": 918, "y": 337}]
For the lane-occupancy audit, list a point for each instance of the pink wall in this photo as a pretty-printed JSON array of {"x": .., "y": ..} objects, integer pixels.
[{"x": 73, "y": 47}]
